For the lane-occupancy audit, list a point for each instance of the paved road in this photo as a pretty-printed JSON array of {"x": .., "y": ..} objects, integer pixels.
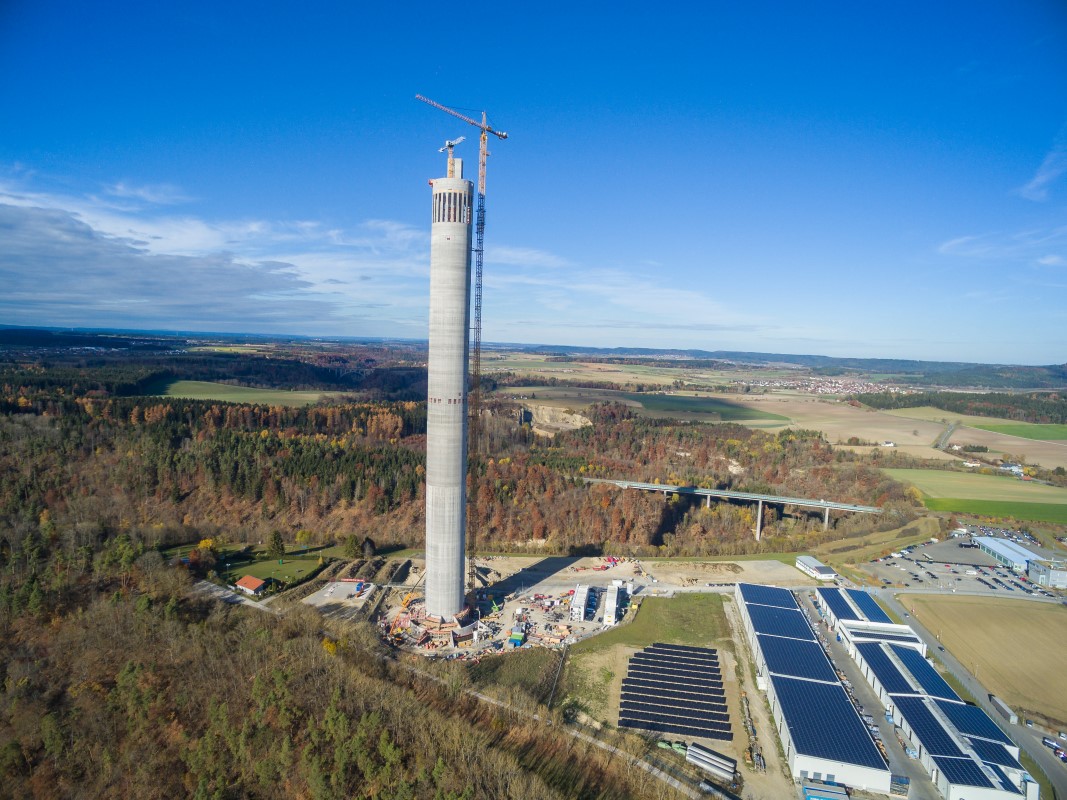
[{"x": 1028, "y": 739}]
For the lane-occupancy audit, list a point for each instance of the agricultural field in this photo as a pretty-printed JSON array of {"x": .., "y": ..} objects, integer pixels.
[
  {"x": 672, "y": 406},
  {"x": 986, "y": 495},
  {"x": 1017, "y": 647},
  {"x": 1027, "y": 430},
  {"x": 224, "y": 392}
]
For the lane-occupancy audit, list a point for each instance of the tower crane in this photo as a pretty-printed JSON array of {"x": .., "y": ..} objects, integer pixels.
[
  {"x": 476, "y": 325},
  {"x": 449, "y": 145}
]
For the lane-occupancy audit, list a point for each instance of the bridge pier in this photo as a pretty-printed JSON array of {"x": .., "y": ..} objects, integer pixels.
[
  {"x": 826, "y": 518},
  {"x": 759, "y": 520}
]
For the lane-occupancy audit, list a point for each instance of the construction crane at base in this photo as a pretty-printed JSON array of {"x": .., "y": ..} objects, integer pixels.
[{"x": 476, "y": 325}]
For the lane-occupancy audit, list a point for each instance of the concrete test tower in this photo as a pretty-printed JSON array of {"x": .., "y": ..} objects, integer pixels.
[{"x": 446, "y": 413}]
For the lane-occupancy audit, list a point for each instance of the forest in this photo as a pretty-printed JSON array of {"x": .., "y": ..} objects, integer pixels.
[{"x": 117, "y": 681}]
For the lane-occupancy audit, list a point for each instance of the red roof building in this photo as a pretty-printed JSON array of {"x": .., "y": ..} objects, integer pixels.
[{"x": 251, "y": 585}]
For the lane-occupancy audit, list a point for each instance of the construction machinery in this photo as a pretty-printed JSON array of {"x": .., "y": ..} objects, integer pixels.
[{"x": 474, "y": 400}]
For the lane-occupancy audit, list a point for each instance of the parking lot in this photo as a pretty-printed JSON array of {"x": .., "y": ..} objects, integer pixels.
[{"x": 953, "y": 565}]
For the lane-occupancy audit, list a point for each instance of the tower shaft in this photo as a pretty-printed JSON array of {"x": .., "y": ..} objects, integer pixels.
[{"x": 446, "y": 415}]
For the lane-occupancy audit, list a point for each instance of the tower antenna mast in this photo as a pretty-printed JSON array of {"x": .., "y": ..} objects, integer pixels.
[{"x": 475, "y": 399}]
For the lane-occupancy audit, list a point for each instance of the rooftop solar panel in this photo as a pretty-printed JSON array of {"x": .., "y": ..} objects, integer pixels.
[
  {"x": 1005, "y": 781},
  {"x": 835, "y": 601},
  {"x": 870, "y": 609},
  {"x": 824, "y": 724},
  {"x": 796, "y": 658},
  {"x": 883, "y": 637},
  {"x": 884, "y": 669},
  {"x": 994, "y": 753},
  {"x": 962, "y": 772},
  {"x": 933, "y": 736},
  {"x": 780, "y": 622},
  {"x": 923, "y": 672},
  {"x": 972, "y": 721},
  {"x": 767, "y": 595}
]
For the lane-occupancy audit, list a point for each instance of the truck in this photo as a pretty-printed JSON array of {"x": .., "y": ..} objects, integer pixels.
[{"x": 1004, "y": 709}]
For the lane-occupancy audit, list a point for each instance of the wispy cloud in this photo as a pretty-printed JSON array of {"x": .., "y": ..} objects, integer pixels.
[
  {"x": 159, "y": 194},
  {"x": 124, "y": 258},
  {"x": 1031, "y": 246},
  {"x": 1053, "y": 165}
]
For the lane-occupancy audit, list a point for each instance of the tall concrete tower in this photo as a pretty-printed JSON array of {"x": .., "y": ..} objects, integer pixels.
[{"x": 446, "y": 418}]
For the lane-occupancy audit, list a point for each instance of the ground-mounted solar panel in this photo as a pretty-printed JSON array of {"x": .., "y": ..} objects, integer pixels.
[
  {"x": 683, "y": 715},
  {"x": 670, "y": 658},
  {"x": 924, "y": 672},
  {"x": 637, "y": 685},
  {"x": 962, "y": 772},
  {"x": 675, "y": 691},
  {"x": 684, "y": 648},
  {"x": 657, "y": 701},
  {"x": 930, "y": 733},
  {"x": 994, "y": 753},
  {"x": 670, "y": 663},
  {"x": 867, "y": 606},
  {"x": 836, "y": 602},
  {"x": 972, "y": 721},
  {"x": 767, "y": 595},
  {"x": 823, "y": 723},
  {"x": 884, "y": 669},
  {"x": 780, "y": 622},
  {"x": 796, "y": 658},
  {"x": 680, "y": 730},
  {"x": 673, "y": 676},
  {"x": 716, "y": 702}
]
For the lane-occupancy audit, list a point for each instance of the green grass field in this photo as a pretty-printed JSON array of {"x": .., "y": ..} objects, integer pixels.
[
  {"x": 696, "y": 619},
  {"x": 1026, "y": 430},
  {"x": 677, "y": 406},
  {"x": 971, "y": 486},
  {"x": 1030, "y": 512},
  {"x": 223, "y": 392}
]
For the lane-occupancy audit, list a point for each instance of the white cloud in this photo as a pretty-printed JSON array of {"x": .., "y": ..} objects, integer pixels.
[
  {"x": 1052, "y": 261},
  {"x": 1053, "y": 165},
  {"x": 159, "y": 194}
]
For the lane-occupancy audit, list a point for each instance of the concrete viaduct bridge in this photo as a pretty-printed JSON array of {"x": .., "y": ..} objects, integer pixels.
[{"x": 759, "y": 499}]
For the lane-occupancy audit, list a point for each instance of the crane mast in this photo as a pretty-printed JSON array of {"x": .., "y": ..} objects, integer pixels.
[{"x": 475, "y": 399}]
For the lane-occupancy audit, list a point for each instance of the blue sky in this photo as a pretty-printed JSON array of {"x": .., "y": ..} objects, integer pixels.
[{"x": 849, "y": 179}]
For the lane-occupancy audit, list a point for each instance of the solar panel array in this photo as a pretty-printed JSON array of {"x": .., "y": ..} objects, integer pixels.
[
  {"x": 823, "y": 723},
  {"x": 972, "y": 721},
  {"x": 836, "y": 602},
  {"x": 795, "y": 658},
  {"x": 891, "y": 678},
  {"x": 675, "y": 689},
  {"x": 963, "y": 771},
  {"x": 923, "y": 672},
  {"x": 881, "y": 637},
  {"x": 820, "y": 717},
  {"x": 789, "y": 623},
  {"x": 994, "y": 753},
  {"x": 930, "y": 732},
  {"x": 1005, "y": 781},
  {"x": 870, "y": 609},
  {"x": 767, "y": 595}
]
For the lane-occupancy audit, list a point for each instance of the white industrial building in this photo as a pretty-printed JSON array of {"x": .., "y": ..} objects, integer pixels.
[
  {"x": 1052, "y": 574},
  {"x": 579, "y": 600},
  {"x": 822, "y": 734},
  {"x": 815, "y": 568},
  {"x": 1008, "y": 553}
]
